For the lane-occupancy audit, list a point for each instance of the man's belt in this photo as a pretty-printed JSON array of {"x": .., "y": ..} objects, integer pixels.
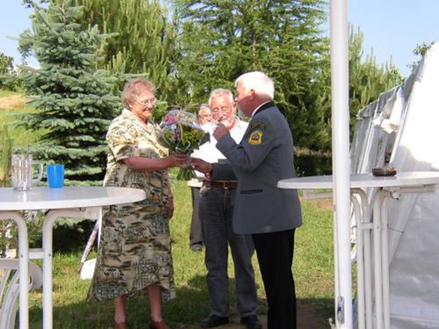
[{"x": 224, "y": 185}]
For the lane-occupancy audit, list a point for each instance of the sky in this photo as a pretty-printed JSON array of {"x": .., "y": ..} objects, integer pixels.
[{"x": 392, "y": 28}]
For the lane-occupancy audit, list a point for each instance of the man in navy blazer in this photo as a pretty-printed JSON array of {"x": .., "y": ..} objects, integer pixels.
[{"x": 271, "y": 215}]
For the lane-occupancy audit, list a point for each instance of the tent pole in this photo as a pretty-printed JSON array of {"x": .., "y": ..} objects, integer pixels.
[{"x": 340, "y": 163}]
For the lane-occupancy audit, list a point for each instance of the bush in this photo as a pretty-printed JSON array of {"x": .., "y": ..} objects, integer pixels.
[
  {"x": 10, "y": 82},
  {"x": 311, "y": 163},
  {"x": 71, "y": 235}
]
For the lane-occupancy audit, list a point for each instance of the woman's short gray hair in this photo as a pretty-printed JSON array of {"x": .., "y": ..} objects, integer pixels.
[
  {"x": 220, "y": 92},
  {"x": 259, "y": 82},
  {"x": 135, "y": 88}
]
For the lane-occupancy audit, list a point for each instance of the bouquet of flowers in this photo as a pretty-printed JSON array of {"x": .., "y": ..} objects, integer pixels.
[{"x": 181, "y": 133}]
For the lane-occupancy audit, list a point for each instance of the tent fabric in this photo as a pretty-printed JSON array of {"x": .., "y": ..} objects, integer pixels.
[
  {"x": 413, "y": 221},
  {"x": 404, "y": 122}
]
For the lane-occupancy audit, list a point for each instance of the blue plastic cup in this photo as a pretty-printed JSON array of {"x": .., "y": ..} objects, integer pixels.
[{"x": 55, "y": 175}]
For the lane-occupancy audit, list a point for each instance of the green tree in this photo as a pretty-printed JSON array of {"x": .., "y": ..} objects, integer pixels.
[
  {"x": 6, "y": 64},
  {"x": 421, "y": 50},
  {"x": 367, "y": 80},
  {"x": 221, "y": 39},
  {"x": 144, "y": 38},
  {"x": 5, "y": 155},
  {"x": 74, "y": 100},
  {"x": 8, "y": 77},
  {"x": 142, "y": 42}
]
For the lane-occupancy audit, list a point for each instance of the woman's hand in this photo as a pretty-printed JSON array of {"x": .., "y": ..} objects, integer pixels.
[{"x": 177, "y": 160}]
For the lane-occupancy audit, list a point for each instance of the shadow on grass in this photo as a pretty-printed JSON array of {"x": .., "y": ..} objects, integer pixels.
[{"x": 184, "y": 312}]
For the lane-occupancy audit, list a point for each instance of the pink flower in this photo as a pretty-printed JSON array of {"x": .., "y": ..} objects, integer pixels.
[{"x": 170, "y": 119}]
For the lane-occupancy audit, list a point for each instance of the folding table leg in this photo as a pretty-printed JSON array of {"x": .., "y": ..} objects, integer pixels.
[
  {"x": 23, "y": 254},
  {"x": 88, "y": 213}
]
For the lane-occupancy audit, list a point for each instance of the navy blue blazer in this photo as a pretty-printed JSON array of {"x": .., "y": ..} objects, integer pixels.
[{"x": 264, "y": 156}]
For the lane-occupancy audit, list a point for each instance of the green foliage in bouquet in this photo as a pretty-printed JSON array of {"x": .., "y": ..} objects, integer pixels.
[
  {"x": 190, "y": 137},
  {"x": 181, "y": 133}
]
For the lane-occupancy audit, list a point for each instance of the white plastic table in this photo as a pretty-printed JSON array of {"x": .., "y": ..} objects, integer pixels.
[
  {"x": 72, "y": 201},
  {"x": 403, "y": 182}
]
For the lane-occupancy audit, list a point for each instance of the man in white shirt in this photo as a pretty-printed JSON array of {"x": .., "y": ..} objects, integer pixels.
[
  {"x": 216, "y": 212},
  {"x": 196, "y": 234}
]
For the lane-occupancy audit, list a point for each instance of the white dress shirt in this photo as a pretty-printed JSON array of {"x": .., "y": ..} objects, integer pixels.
[{"x": 208, "y": 151}]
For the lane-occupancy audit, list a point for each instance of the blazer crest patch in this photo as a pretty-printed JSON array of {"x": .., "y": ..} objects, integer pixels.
[{"x": 255, "y": 137}]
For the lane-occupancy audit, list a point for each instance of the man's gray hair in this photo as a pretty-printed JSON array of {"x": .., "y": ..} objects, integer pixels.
[
  {"x": 135, "y": 88},
  {"x": 259, "y": 82},
  {"x": 220, "y": 92}
]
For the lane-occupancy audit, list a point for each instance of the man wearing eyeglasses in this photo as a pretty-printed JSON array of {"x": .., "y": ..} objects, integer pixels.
[
  {"x": 216, "y": 211},
  {"x": 204, "y": 114},
  {"x": 271, "y": 215}
]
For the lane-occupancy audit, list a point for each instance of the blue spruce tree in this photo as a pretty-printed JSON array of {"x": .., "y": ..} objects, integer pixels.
[{"x": 74, "y": 101}]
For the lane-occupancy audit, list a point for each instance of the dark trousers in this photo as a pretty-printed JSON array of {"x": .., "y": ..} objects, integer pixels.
[
  {"x": 216, "y": 211},
  {"x": 196, "y": 232},
  {"x": 275, "y": 255}
]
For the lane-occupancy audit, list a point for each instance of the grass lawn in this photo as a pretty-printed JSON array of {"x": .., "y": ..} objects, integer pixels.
[
  {"x": 6, "y": 93},
  {"x": 313, "y": 270},
  {"x": 313, "y": 267},
  {"x": 12, "y": 108}
]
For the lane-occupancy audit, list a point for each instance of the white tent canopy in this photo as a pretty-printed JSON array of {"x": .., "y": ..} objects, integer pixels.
[{"x": 403, "y": 122}]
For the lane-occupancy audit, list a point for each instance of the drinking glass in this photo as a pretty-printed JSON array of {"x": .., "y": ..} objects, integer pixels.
[
  {"x": 22, "y": 171},
  {"x": 55, "y": 175}
]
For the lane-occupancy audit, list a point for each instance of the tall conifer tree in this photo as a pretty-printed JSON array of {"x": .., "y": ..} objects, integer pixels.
[
  {"x": 144, "y": 41},
  {"x": 74, "y": 101},
  {"x": 367, "y": 80},
  {"x": 222, "y": 39}
]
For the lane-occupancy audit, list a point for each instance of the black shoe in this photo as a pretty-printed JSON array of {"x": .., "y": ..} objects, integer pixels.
[
  {"x": 214, "y": 321},
  {"x": 196, "y": 247},
  {"x": 251, "y": 322}
]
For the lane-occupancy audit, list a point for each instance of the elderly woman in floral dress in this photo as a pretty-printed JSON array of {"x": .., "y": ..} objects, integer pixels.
[{"x": 135, "y": 246}]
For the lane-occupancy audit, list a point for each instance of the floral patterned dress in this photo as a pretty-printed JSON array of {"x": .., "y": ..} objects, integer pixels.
[{"x": 135, "y": 244}]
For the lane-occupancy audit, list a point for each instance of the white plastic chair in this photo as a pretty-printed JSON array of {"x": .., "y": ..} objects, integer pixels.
[{"x": 9, "y": 289}]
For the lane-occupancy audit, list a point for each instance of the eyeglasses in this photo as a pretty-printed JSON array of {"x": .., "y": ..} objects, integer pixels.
[
  {"x": 223, "y": 110},
  {"x": 145, "y": 103}
]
